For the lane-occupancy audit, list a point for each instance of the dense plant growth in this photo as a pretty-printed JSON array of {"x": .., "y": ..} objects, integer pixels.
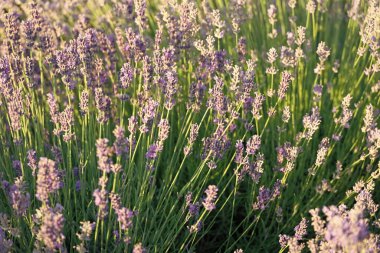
[{"x": 189, "y": 126}]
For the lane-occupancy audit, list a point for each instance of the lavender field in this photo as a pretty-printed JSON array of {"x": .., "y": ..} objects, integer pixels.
[{"x": 194, "y": 126}]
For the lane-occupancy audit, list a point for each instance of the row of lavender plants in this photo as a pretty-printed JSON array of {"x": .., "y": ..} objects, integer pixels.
[{"x": 189, "y": 126}]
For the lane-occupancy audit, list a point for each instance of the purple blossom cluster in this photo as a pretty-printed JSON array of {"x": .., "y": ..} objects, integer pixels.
[
  {"x": 50, "y": 232},
  {"x": 49, "y": 179},
  {"x": 116, "y": 109},
  {"x": 211, "y": 195},
  {"x": 340, "y": 229}
]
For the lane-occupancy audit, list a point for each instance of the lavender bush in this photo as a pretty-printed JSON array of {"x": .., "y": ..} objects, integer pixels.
[{"x": 189, "y": 126}]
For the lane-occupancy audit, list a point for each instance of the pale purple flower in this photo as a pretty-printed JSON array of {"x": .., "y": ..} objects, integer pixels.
[
  {"x": 195, "y": 228},
  {"x": 272, "y": 55},
  {"x": 322, "y": 151},
  {"x": 132, "y": 125},
  {"x": 83, "y": 102},
  {"x": 104, "y": 153},
  {"x": 301, "y": 230},
  {"x": 5, "y": 244},
  {"x": 194, "y": 129},
  {"x": 147, "y": 114},
  {"x": 196, "y": 94},
  {"x": 125, "y": 217},
  {"x": 153, "y": 151},
  {"x": 193, "y": 208},
  {"x": 51, "y": 230},
  {"x": 286, "y": 114},
  {"x": 16, "y": 166},
  {"x": 28, "y": 33},
  {"x": 120, "y": 144},
  {"x": 345, "y": 231},
  {"x": 57, "y": 154},
  {"x": 115, "y": 201},
  {"x": 18, "y": 197},
  {"x": 12, "y": 24},
  {"x": 101, "y": 201},
  {"x": 126, "y": 75},
  {"x": 214, "y": 147},
  {"x": 103, "y": 104},
  {"x": 135, "y": 46},
  {"x": 287, "y": 56},
  {"x": 263, "y": 198},
  {"x": 164, "y": 128},
  {"x": 311, "y": 123},
  {"x": 138, "y": 248},
  {"x": 169, "y": 89},
  {"x": 211, "y": 195},
  {"x": 49, "y": 179},
  {"x": 68, "y": 63},
  {"x": 239, "y": 157},
  {"x": 286, "y": 79},
  {"x": 31, "y": 156},
  {"x": 253, "y": 145},
  {"x": 283, "y": 240},
  {"x": 347, "y": 113},
  {"x": 257, "y": 105},
  {"x": 140, "y": 9},
  {"x": 318, "y": 89},
  {"x": 368, "y": 119},
  {"x": 217, "y": 100},
  {"x": 265, "y": 195},
  {"x": 323, "y": 51}
]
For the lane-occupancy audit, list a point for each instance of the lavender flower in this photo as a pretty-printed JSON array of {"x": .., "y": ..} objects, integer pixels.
[
  {"x": 147, "y": 114},
  {"x": 5, "y": 244},
  {"x": 266, "y": 195},
  {"x": 368, "y": 119},
  {"x": 101, "y": 201},
  {"x": 217, "y": 101},
  {"x": 263, "y": 198},
  {"x": 54, "y": 111},
  {"x": 286, "y": 114},
  {"x": 322, "y": 151},
  {"x": 286, "y": 78},
  {"x": 32, "y": 160},
  {"x": 83, "y": 103},
  {"x": 138, "y": 248},
  {"x": 68, "y": 62},
  {"x": 140, "y": 8},
  {"x": 193, "y": 208},
  {"x": 19, "y": 198},
  {"x": 126, "y": 75},
  {"x": 153, "y": 151},
  {"x": 194, "y": 129},
  {"x": 239, "y": 157},
  {"x": 214, "y": 147},
  {"x": 120, "y": 144},
  {"x": 195, "y": 228},
  {"x": 253, "y": 145},
  {"x": 124, "y": 217},
  {"x": 49, "y": 179},
  {"x": 211, "y": 195},
  {"x": 345, "y": 232},
  {"x": 257, "y": 105},
  {"x": 346, "y": 112},
  {"x": 103, "y": 104},
  {"x": 51, "y": 230},
  {"x": 84, "y": 235},
  {"x": 163, "y": 133},
  {"x": 300, "y": 230},
  {"x": 104, "y": 153},
  {"x": 311, "y": 123},
  {"x": 323, "y": 51}
]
